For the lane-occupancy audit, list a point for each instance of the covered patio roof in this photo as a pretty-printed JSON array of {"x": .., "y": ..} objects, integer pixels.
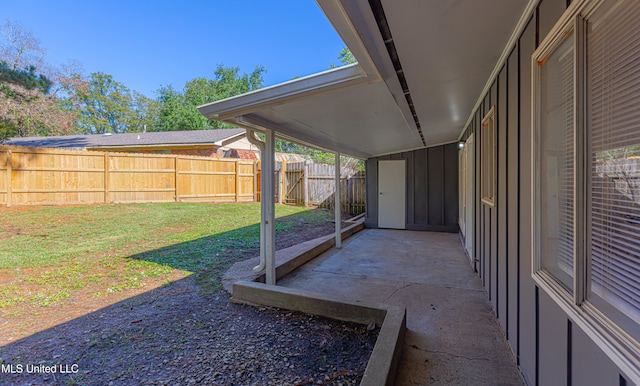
[{"x": 422, "y": 67}]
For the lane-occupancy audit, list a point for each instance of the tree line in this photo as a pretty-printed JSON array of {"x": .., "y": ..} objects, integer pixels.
[{"x": 39, "y": 99}]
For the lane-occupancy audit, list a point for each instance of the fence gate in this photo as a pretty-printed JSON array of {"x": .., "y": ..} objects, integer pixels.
[{"x": 303, "y": 183}]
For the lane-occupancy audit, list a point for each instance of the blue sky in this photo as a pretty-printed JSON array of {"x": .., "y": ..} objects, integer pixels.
[{"x": 146, "y": 44}]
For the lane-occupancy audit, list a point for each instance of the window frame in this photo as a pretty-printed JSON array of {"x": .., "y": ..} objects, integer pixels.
[
  {"x": 617, "y": 343},
  {"x": 488, "y": 157},
  {"x": 541, "y": 58}
]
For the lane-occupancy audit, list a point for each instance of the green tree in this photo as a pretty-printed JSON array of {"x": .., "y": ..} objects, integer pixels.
[
  {"x": 145, "y": 113},
  {"x": 26, "y": 78},
  {"x": 346, "y": 57},
  {"x": 108, "y": 106},
  {"x": 226, "y": 83},
  {"x": 26, "y": 108},
  {"x": 178, "y": 110},
  {"x": 177, "y": 113}
]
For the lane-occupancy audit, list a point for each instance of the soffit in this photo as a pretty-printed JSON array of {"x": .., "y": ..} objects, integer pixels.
[
  {"x": 447, "y": 50},
  {"x": 362, "y": 121}
]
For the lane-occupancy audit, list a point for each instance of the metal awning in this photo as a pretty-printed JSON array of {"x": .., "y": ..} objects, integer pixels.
[
  {"x": 340, "y": 110},
  {"x": 422, "y": 65}
]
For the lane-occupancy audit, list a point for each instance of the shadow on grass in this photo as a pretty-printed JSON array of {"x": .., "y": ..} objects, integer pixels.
[
  {"x": 209, "y": 257},
  {"x": 149, "y": 338}
]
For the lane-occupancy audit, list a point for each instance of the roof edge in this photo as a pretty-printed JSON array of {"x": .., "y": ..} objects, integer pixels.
[
  {"x": 269, "y": 96},
  {"x": 262, "y": 125}
]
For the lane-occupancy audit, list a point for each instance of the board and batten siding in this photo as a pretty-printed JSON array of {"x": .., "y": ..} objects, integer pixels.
[
  {"x": 549, "y": 348},
  {"x": 431, "y": 188}
]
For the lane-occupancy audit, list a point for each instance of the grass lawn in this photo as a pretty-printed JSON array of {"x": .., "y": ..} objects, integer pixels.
[{"x": 52, "y": 255}]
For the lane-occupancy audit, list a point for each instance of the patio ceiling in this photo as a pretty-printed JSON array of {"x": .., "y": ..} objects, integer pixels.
[{"x": 439, "y": 53}]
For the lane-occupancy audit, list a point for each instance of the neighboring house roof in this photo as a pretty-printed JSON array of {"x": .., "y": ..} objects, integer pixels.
[
  {"x": 421, "y": 70},
  {"x": 149, "y": 139}
]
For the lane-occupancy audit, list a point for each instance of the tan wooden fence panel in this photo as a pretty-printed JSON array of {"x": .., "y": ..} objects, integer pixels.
[
  {"x": 322, "y": 187},
  {"x": 295, "y": 183},
  {"x": 301, "y": 183},
  {"x": 246, "y": 181},
  {"x": 5, "y": 175},
  {"x": 35, "y": 176},
  {"x": 55, "y": 177},
  {"x": 354, "y": 194},
  {"x": 203, "y": 180},
  {"x": 140, "y": 178}
]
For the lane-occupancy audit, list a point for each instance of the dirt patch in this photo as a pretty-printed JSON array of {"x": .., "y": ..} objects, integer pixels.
[
  {"x": 177, "y": 333},
  {"x": 6, "y": 232}
]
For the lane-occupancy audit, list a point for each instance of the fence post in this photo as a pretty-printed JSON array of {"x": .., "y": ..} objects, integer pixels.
[
  {"x": 350, "y": 195},
  {"x": 283, "y": 182},
  {"x": 255, "y": 181},
  {"x": 305, "y": 185},
  {"x": 106, "y": 177},
  {"x": 175, "y": 178},
  {"x": 338, "y": 201},
  {"x": 9, "y": 178},
  {"x": 237, "y": 180}
]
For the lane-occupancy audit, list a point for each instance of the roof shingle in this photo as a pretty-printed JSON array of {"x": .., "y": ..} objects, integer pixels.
[{"x": 192, "y": 137}]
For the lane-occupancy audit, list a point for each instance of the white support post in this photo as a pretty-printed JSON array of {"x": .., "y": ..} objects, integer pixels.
[
  {"x": 268, "y": 203},
  {"x": 338, "y": 209},
  {"x": 251, "y": 137}
]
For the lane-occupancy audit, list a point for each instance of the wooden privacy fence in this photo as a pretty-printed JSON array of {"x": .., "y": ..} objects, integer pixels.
[
  {"x": 31, "y": 176},
  {"x": 301, "y": 183}
]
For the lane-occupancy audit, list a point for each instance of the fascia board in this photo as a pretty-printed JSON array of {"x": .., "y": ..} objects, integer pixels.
[
  {"x": 258, "y": 124},
  {"x": 339, "y": 18},
  {"x": 274, "y": 95},
  {"x": 229, "y": 139},
  {"x": 261, "y": 125}
]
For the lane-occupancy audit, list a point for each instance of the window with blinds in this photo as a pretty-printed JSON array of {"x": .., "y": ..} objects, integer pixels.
[
  {"x": 586, "y": 157},
  {"x": 556, "y": 162},
  {"x": 613, "y": 110}
]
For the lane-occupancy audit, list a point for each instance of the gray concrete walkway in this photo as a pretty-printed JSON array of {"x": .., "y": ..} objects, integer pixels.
[{"x": 453, "y": 337}]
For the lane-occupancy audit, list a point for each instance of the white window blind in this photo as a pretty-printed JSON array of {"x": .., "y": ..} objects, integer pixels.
[
  {"x": 556, "y": 157},
  {"x": 613, "y": 89}
]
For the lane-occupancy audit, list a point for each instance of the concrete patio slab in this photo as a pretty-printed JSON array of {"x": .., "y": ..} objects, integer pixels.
[
  {"x": 452, "y": 334},
  {"x": 287, "y": 259}
]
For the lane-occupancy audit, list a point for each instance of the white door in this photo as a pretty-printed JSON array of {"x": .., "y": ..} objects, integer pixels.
[
  {"x": 468, "y": 196},
  {"x": 462, "y": 189},
  {"x": 391, "y": 194}
]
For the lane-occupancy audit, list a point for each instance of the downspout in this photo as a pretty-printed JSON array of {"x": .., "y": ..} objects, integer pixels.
[
  {"x": 253, "y": 139},
  {"x": 337, "y": 203}
]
